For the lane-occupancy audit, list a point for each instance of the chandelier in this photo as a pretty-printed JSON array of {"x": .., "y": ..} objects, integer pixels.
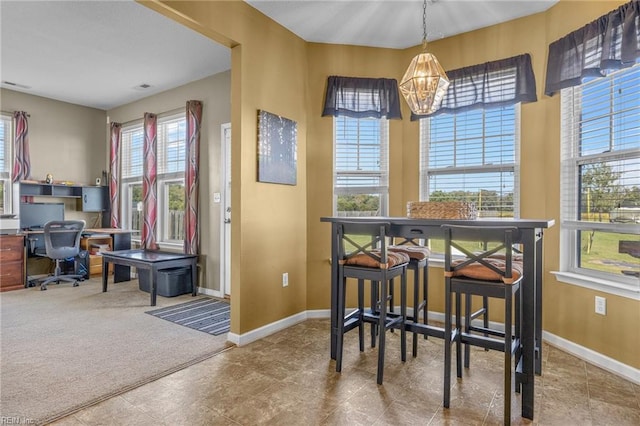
[{"x": 424, "y": 83}]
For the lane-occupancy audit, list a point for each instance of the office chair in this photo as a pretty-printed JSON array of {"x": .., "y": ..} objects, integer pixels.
[{"x": 62, "y": 241}]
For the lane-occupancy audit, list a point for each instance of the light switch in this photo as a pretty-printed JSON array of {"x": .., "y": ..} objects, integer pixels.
[{"x": 216, "y": 197}]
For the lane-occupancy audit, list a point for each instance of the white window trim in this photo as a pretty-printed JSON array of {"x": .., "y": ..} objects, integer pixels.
[
  {"x": 569, "y": 273},
  {"x": 163, "y": 200},
  {"x": 161, "y": 181},
  {"x": 6, "y": 176},
  {"x": 515, "y": 167},
  {"x": 382, "y": 190}
]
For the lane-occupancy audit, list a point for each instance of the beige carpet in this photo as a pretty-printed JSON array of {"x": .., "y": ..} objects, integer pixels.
[{"x": 66, "y": 348}]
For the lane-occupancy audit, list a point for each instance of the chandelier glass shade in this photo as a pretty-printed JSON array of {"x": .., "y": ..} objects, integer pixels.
[{"x": 424, "y": 83}]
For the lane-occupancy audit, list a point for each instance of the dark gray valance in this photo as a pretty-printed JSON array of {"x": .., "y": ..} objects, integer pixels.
[
  {"x": 492, "y": 84},
  {"x": 362, "y": 97},
  {"x": 610, "y": 42}
]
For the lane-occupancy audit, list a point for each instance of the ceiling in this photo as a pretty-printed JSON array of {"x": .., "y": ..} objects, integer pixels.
[{"x": 100, "y": 53}]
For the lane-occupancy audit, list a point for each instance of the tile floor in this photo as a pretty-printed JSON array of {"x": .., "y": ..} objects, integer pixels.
[{"x": 289, "y": 379}]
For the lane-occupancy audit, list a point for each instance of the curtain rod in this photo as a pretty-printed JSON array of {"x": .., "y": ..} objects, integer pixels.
[{"x": 11, "y": 113}]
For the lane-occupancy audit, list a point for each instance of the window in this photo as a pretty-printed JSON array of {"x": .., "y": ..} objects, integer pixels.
[
  {"x": 601, "y": 181},
  {"x": 472, "y": 156},
  {"x": 6, "y": 137},
  {"x": 360, "y": 166},
  {"x": 170, "y": 179}
]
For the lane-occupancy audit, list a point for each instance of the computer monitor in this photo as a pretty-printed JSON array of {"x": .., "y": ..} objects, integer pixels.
[{"x": 35, "y": 215}]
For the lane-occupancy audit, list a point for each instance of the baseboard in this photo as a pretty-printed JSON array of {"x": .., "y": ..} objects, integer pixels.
[
  {"x": 593, "y": 357},
  {"x": 267, "y": 330},
  {"x": 210, "y": 292},
  {"x": 586, "y": 354}
]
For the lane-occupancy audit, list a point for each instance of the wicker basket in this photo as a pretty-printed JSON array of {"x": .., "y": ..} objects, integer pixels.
[{"x": 442, "y": 210}]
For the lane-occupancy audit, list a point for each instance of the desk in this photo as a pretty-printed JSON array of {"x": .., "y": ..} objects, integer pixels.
[
  {"x": 151, "y": 260},
  {"x": 531, "y": 240},
  {"x": 121, "y": 240}
]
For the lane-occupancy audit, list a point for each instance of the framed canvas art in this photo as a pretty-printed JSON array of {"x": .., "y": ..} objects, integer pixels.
[{"x": 277, "y": 149}]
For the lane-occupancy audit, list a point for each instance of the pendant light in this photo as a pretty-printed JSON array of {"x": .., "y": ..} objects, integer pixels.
[{"x": 424, "y": 83}]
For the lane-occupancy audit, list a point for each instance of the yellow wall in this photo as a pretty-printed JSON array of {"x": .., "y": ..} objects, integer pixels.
[
  {"x": 274, "y": 70},
  {"x": 269, "y": 221}
]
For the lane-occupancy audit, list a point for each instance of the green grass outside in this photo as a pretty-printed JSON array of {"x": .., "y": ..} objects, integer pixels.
[{"x": 604, "y": 255}]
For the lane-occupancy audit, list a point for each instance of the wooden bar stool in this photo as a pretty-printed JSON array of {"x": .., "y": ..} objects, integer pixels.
[
  {"x": 490, "y": 273},
  {"x": 363, "y": 255},
  {"x": 418, "y": 263}
]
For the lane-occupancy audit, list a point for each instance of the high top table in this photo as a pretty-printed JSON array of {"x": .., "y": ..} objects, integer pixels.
[
  {"x": 531, "y": 290},
  {"x": 152, "y": 261}
]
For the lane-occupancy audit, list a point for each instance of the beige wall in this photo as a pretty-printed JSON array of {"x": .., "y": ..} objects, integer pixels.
[
  {"x": 274, "y": 70},
  {"x": 215, "y": 94},
  {"x": 65, "y": 140}
]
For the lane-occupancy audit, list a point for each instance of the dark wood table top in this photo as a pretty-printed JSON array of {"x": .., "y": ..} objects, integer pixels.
[{"x": 148, "y": 256}]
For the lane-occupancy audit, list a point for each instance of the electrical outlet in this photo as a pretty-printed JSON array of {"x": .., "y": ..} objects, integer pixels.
[
  {"x": 601, "y": 305},
  {"x": 285, "y": 279}
]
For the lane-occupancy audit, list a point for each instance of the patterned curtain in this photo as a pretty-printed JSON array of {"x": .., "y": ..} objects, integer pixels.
[
  {"x": 114, "y": 172},
  {"x": 149, "y": 183},
  {"x": 191, "y": 178},
  {"x": 22, "y": 162}
]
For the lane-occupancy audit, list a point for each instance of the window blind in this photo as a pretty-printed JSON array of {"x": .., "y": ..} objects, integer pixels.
[
  {"x": 472, "y": 156},
  {"x": 600, "y": 181},
  {"x": 6, "y": 165},
  {"x": 131, "y": 146},
  {"x": 361, "y": 158},
  {"x": 601, "y": 156},
  {"x": 5, "y": 145},
  {"x": 171, "y": 144}
]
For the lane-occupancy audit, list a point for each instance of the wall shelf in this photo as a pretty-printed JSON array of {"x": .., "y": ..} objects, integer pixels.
[{"x": 90, "y": 198}]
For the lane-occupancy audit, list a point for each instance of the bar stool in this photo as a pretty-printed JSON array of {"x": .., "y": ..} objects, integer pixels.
[
  {"x": 489, "y": 273},
  {"x": 363, "y": 255},
  {"x": 418, "y": 261}
]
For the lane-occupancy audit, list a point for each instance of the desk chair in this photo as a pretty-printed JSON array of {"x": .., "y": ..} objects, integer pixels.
[
  {"x": 62, "y": 241},
  {"x": 494, "y": 273}
]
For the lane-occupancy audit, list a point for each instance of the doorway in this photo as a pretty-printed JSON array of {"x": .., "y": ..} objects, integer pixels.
[{"x": 225, "y": 232}]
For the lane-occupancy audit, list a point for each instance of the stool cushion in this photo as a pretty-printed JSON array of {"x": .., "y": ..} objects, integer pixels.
[
  {"x": 373, "y": 261},
  {"x": 414, "y": 252},
  {"x": 481, "y": 272}
]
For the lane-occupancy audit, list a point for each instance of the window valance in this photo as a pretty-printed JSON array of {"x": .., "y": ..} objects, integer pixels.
[
  {"x": 496, "y": 83},
  {"x": 610, "y": 42},
  {"x": 362, "y": 97}
]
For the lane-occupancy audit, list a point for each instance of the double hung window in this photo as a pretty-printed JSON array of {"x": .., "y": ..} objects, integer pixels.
[
  {"x": 361, "y": 108},
  {"x": 171, "y": 133},
  {"x": 6, "y": 138},
  {"x": 360, "y": 166},
  {"x": 472, "y": 156},
  {"x": 601, "y": 182}
]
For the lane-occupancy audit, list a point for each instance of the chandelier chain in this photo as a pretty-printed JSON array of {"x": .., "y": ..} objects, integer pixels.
[{"x": 424, "y": 22}]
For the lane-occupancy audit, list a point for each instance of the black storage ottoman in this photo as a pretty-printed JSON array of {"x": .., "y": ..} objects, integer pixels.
[{"x": 171, "y": 282}]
